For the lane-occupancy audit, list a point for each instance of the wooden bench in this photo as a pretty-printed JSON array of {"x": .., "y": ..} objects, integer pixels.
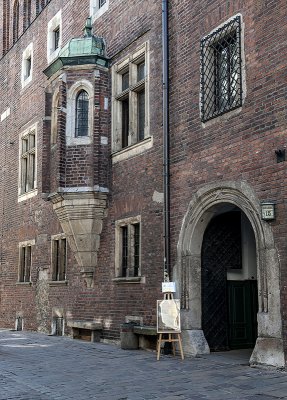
[{"x": 86, "y": 330}]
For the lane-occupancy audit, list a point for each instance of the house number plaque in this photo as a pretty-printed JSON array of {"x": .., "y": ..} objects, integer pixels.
[{"x": 268, "y": 211}]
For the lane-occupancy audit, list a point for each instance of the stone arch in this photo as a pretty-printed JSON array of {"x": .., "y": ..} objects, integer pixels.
[{"x": 207, "y": 202}]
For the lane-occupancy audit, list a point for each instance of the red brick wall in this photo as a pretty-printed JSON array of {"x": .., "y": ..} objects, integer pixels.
[
  {"x": 243, "y": 146},
  {"x": 131, "y": 183}
]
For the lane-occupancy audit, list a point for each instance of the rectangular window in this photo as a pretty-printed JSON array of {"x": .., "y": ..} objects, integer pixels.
[
  {"x": 59, "y": 259},
  {"x": 130, "y": 94},
  {"x": 27, "y": 65},
  {"x": 221, "y": 75},
  {"x": 54, "y": 36},
  {"x": 25, "y": 264},
  {"x": 128, "y": 247},
  {"x": 28, "y": 162}
]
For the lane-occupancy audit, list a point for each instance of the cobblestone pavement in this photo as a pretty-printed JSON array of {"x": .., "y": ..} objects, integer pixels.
[{"x": 40, "y": 367}]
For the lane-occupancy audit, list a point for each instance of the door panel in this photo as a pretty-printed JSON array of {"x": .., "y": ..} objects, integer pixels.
[
  {"x": 221, "y": 249},
  {"x": 242, "y": 299}
]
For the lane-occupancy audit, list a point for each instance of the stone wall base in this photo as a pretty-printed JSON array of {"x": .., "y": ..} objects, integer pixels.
[
  {"x": 268, "y": 351},
  {"x": 194, "y": 342}
]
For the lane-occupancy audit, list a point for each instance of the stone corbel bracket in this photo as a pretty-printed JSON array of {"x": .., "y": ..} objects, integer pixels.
[{"x": 81, "y": 215}]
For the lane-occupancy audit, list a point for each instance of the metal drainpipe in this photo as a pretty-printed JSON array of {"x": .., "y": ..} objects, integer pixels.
[{"x": 166, "y": 172}]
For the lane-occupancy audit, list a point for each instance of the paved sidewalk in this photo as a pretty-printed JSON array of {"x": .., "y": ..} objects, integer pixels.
[{"x": 39, "y": 367}]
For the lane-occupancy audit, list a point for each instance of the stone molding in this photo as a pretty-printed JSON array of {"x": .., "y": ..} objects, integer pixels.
[
  {"x": 205, "y": 203},
  {"x": 81, "y": 217}
]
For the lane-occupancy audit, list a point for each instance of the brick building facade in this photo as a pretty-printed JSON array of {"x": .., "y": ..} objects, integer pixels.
[{"x": 81, "y": 183}]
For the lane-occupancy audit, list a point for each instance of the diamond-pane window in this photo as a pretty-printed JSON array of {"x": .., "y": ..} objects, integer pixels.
[{"x": 221, "y": 75}]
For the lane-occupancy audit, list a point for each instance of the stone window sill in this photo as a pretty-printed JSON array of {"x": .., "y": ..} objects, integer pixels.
[
  {"x": 131, "y": 279},
  {"x": 58, "y": 283},
  {"x": 27, "y": 195},
  {"x": 133, "y": 150},
  {"x": 24, "y": 283}
]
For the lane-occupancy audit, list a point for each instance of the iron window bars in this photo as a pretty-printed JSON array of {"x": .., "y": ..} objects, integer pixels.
[{"x": 221, "y": 75}]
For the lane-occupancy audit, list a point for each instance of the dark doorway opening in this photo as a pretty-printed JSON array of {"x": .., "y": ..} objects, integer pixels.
[{"x": 229, "y": 293}]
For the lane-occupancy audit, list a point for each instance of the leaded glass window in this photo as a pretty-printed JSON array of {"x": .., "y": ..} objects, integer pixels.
[
  {"x": 82, "y": 114},
  {"x": 221, "y": 75}
]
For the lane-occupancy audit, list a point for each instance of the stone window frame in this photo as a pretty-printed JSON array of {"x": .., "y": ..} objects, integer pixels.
[
  {"x": 71, "y": 139},
  {"x": 206, "y": 43},
  {"x": 130, "y": 63},
  {"x": 24, "y": 277},
  {"x": 24, "y": 194},
  {"x": 129, "y": 224},
  {"x": 97, "y": 10},
  {"x": 54, "y": 24},
  {"x": 54, "y": 116},
  {"x": 27, "y": 65},
  {"x": 56, "y": 269}
]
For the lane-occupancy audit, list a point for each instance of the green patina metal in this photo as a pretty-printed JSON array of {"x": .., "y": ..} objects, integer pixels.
[{"x": 88, "y": 49}]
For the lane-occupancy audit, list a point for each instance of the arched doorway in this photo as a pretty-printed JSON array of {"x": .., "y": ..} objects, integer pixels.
[
  {"x": 229, "y": 285},
  {"x": 207, "y": 203}
]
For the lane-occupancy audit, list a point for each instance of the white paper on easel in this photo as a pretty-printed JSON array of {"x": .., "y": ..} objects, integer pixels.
[
  {"x": 168, "y": 316},
  {"x": 168, "y": 287}
]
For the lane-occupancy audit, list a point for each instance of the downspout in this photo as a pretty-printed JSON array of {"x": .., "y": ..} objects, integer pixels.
[{"x": 165, "y": 123}]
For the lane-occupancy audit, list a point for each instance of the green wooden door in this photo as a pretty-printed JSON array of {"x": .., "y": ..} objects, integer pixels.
[{"x": 242, "y": 312}]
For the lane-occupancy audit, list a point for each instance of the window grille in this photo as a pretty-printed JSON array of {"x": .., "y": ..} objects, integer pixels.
[
  {"x": 221, "y": 75},
  {"x": 19, "y": 324},
  {"x": 82, "y": 114},
  {"x": 59, "y": 326}
]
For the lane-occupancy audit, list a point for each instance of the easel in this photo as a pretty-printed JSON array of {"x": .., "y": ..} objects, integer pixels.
[{"x": 172, "y": 337}]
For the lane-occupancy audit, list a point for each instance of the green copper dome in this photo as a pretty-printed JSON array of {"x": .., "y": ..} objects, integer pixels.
[{"x": 88, "y": 49}]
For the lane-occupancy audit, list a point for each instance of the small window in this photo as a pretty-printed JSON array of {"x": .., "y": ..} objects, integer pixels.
[
  {"x": 27, "y": 65},
  {"x": 128, "y": 245},
  {"x": 82, "y": 114},
  {"x": 54, "y": 36},
  {"x": 59, "y": 259},
  {"x": 28, "y": 162},
  {"x": 221, "y": 75},
  {"x": 25, "y": 264}
]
